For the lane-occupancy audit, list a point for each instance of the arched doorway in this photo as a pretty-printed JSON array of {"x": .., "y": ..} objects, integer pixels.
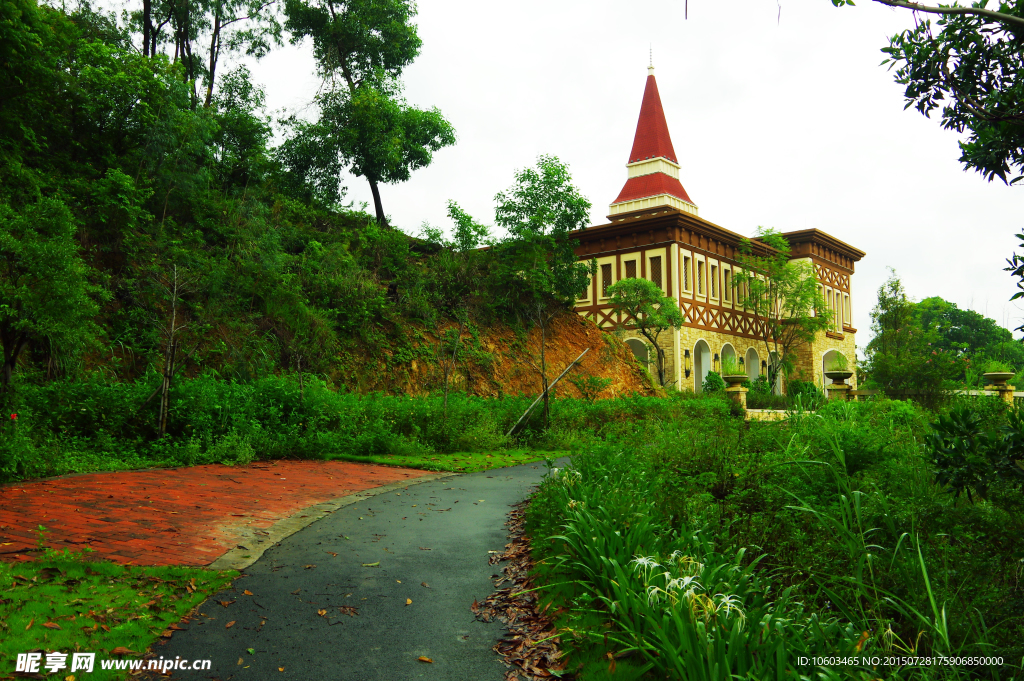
[
  {"x": 729, "y": 355},
  {"x": 753, "y": 363},
  {"x": 640, "y": 350},
  {"x": 701, "y": 365}
]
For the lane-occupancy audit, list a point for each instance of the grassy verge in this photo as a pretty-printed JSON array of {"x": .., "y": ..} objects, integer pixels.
[
  {"x": 457, "y": 462},
  {"x": 63, "y": 602}
]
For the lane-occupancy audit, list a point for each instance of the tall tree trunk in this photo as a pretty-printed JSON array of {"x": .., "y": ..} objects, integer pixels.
[
  {"x": 165, "y": 387},
  {"x": 12, "y": 347},
  {"x": 214, "y": 49},
  {"x": 147, "y": 27},
  {"x": 381, "y": 220},
  {"x": 544, "y": 373}
]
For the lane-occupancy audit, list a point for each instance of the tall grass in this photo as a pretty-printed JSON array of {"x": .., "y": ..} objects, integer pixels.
[
  {"x": 719, "y": 550},
  {"x": 98, "y": 425}
]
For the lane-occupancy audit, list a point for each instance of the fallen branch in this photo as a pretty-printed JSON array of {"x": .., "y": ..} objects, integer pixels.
[{"x": 545, "y": 392}]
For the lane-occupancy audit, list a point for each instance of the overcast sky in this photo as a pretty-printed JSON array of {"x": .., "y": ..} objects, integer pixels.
[{"x": 780, "y": 116}]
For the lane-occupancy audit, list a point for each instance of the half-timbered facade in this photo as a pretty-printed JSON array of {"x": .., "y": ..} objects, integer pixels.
[{"x": 655, "y": 233}]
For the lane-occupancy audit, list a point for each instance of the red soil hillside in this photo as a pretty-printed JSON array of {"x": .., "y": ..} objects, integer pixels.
[{"x": 499, "y": 361}]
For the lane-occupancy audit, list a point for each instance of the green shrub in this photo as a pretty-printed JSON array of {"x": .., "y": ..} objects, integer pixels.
[{"x": 713, "y": 383}]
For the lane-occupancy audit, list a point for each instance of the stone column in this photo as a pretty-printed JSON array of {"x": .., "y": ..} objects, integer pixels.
[
  {"x": 838, "y": 391},
  {"x": 1004, "y": 391},
  {"x": 738, "y": 394}
]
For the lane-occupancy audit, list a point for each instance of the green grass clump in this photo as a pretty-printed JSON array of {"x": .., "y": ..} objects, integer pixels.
[
  {"x": 714, "y": 549},
  {"x": 458, "y": 462},
  {"x": 83, "y": 426},
  {"x": 64, "y": 602}
]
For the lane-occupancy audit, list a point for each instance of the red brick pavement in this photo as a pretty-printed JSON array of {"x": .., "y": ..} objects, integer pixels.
[{"x": 178, "y": 516}]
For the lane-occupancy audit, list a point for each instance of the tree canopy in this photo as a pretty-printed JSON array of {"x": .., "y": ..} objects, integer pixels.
[
  {"x": 969, "y": 67},
  {"x": 361, "y": 49}
]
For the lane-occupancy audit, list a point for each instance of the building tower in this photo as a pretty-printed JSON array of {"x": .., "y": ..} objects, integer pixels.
[
  {"x": 654, "y": 232},
  {"x": 653, "y": 167}
]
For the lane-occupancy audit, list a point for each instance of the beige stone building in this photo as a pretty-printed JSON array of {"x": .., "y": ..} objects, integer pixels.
[{"x": 655, "y": 232}]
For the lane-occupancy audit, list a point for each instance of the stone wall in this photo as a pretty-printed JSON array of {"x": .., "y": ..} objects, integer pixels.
[{"x": 809, "y": 365}]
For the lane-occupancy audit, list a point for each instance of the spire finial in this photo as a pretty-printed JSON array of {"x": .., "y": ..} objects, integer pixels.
[{"x": 650, "y": 62}]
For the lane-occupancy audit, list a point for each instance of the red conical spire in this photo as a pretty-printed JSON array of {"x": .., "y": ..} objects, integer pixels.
[
  {"x": 652, "y": 139},
  {"x": 653, "y": 168}
]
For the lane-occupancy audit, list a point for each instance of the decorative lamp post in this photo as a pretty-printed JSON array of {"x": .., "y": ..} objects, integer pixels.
[
  {"x": 686, "y": 363},
  {"x": 717, "y": 364}
]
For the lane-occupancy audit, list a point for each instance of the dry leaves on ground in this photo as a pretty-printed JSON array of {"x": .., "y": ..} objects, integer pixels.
[{"x": 530, "y": 648}]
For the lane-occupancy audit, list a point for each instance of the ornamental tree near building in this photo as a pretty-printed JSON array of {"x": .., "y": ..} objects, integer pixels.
[
  {"x": 650, "y": 311},
  {"x": 783, "y": 297}
]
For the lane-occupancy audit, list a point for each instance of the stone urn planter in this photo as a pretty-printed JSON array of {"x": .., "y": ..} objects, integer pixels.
[
  {"x": 735, "y": 379},
  {"x": 839, "y": 377},
  {"x": 998, "y": 378}
]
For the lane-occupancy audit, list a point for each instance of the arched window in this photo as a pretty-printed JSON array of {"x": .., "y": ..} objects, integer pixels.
[
  {"x": 753, "y": 363},
  {"x": 640, "y": 350}
]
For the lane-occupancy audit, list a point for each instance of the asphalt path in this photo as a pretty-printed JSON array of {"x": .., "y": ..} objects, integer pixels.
[{"x": 410, "y": 562}]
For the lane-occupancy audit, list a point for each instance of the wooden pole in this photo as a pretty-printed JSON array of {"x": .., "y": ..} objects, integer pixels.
[{"x": 545, "y": 392}]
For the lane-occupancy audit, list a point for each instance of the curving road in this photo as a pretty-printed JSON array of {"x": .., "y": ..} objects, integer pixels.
[{"x": 387, "y": 547}]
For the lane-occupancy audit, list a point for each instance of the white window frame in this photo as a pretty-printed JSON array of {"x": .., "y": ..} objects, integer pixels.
[
  {"x": 664, "y": 267},
  {"x": 686, "y": 273}
]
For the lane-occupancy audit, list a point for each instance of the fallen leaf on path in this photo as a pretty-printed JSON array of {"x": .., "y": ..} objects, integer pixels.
[
  {"x": 251, "y": 651},
  {"x": 240, "y": 662},
  {"x": 225, "y": 603},
  {"x": 421, "y": 658},
  {"x": 247, "y": 592},
  {"x": 349, "y": 610},
  {"x": 166, "y": 633},
  {"x": 230, "y": 624},
  {"x": 408, "y": 601},
  {"x": 332, "y": 553},
  {"x": 321, "y": 612},
  {"x": 280, "y": 669},
  {"x": 424, "y": 584},
  {"x": 51, "y": 625},
  {"x": 294, "y": 593},
  {"x": 423, "y": 549},
  {"x": 175, "y": 627},
  {"x": 309, "y": 567},
  {"x": 377, "y": 564},
  {"x": 121, "y": 650}
]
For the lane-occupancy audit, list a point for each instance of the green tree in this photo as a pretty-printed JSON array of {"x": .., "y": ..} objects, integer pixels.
[
  {"x": 361, "y": 48},
  {"x": 972, "y": 69},
  {"x": 902, "y": 356},
  {"x": 650, "y": 311},
  {"x": 45, "y": 292},
  {"x": 538, "y": 258},
  {"x": 969, "y": 336},
  {"x": 783, "y": 297}
]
